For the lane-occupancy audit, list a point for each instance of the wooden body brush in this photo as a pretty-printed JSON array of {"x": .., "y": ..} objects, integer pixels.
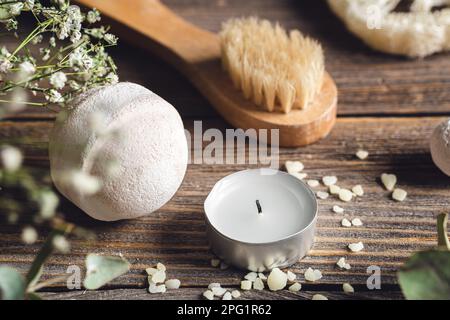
[{"x": 197, "y": 54}]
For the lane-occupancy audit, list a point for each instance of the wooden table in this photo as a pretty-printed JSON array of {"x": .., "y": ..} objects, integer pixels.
[{"x": 387, "y": 105}]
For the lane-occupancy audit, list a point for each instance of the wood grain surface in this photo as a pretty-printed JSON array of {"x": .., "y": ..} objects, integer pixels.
[{"x": 388, "y": 106}]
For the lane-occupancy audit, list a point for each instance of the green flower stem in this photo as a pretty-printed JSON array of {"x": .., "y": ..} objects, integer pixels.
[
  {"x": 37, "y": 104},
  {"x": 40, "y": 28}
]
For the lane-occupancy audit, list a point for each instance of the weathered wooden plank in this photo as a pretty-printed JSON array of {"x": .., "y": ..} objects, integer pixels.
[
  {"x": 196, "y": 293},
  {"x": 369, "y": 83},
  {"x": 175, "y": 234}
]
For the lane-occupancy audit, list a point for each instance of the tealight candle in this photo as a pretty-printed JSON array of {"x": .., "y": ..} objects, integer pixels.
[{"x": 260, "y": 219}]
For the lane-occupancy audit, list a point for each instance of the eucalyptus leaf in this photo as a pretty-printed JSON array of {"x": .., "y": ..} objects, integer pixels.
[
  {"x": 12, "y": 284},
  {"x": 426, "y": 276},
  {"x": 102, "y": 269}
]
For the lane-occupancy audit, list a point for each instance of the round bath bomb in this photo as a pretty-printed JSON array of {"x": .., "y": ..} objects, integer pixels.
[
  {"x": 440, "y": 147},
  {"x": 126, "y": 127}
]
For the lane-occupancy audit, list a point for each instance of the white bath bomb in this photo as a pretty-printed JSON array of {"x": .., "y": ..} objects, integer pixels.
[
  {"x": 130, "y": 126},
  {"x": 440, "y": 147}
]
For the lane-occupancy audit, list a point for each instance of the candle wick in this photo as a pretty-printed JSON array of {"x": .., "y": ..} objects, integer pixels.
[{"x": 258, "y": 205}]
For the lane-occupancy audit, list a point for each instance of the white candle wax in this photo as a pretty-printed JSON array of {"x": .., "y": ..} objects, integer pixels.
[{"x": 287, "y": 206}]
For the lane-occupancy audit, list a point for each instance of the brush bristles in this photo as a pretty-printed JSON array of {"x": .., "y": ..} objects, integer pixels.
[{"x": 272, "y": 68}]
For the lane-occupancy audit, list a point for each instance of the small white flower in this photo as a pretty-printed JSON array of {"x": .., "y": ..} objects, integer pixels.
[
  {"x": 112, "y": 78},
  {"x": 11, "y": 158},
  {"x": 48, "y": 202},
  {"x": 110, "y": 38},
  {"x": 29, "y": 235},
  {"x": 54, "y": 96},
  {"x": 27, "y": 67},
  {"x": 5, "y": 66},
  {"x": 58, "y": 80},
  {"x": 82, "y": 182},
  {"x": 15, "y": 9},
  {"x": 93, "y": 16},
  {"x": 61, "y": 244}
]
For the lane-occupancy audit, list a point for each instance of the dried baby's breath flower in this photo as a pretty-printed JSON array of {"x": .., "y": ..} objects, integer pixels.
[
  {"x": 173, "y": 284},
  {"x": 313, "y": 275},
  {"x": 82, "y": 182},
  {"x": 334, "y": 189},
  {"x": 313, "y": 183},
  {"x": 277, "y": 280},
  {"x": 347, "y": 288},
  {"x": 208, "y": 295},
  {"x": 29, "y": 235},
  {"x": 323, "y": 195},
  {"x": 48, "y": 202},
  {"x": 399, "y": 195},
  {"x": 346, "y": 223},
  {"x": 258, "y": 284},
  {"x": 246, "y": 285},
  {"x": 296, "y": 287},
  {"x": 319, "y": 296},
  {"x": 338, "y": 209},
  {"x": 235, "y": 294},
  {"x": 215, "y": 263},
  {"x": 345, "y": 195},
  {"x": 357, "y": 222},
  {"x": 389, "y": 181},
  {"x": 329, "y": 180},
  {"x": 358, "y": 190},
  {"x": 356, "y": 247},
  {"x": 294, "y": 166},
  {"x": 61, "y": 244},
  {"x": 11, "y": 158},
  {"x": 362, "y": 154}
]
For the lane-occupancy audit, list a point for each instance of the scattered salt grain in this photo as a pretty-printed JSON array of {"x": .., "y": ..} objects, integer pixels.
[
  {"x": 291, "y": 276},
  {"x": 329, "y": 180},
  {"x": 341, "y": 263},
  {"x": 323, "y": 195},
  {"x": 313, "y": 183},
  {"x": 277, "y": 279},
  {"x": 346, "y": 223},
  {"x": 208, "y": 295},
  {"x": 218, "y": 291},
  {"x": 358, "y": 190},
  {"x": 215, "y": 263},
  {"x": 355, "y": 247},
  {"x": 389, "y": 181},
  {"x": 160, "y": 267},
  {"x": 173, "y": 284},
  {"x": 399, "y": 195},
  {"x": 299, "y": 175},
  {"x": 262, "y": 276},
  {"x": 154, "y": 288},
  {"x": 362, "y": 154},
  {"x": 296, "y": 287},
  {"x": 251, "y": 276},
  {"x": 227, "y": 296},
  {"x": 319, "y": 297},
  {"x": 258, "y": 284},
  {"x": 338, "y": 209},
  {"x": 345, "y": 195},
  {"x": 246, "y": 285},
  {"x": 334, "y": 189},
  {"x": 235, "y": 294},
  {"x": 158, "y": 277},
  {"x": 151, "y": 271},
  {"x": 313, "y": 275},
  {"x": 357, "y": 222},
  {"x": 347, "y": 287},
  {"x": 294, "y": 166}
]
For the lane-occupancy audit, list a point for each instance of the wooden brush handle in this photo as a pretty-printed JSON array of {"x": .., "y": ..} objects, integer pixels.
[{"x": 173, "y": 38}]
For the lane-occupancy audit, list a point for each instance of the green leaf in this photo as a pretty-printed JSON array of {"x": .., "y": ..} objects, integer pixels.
[
  {"x": 426, "y": 276},
  {"x": 442, "y": 231},
  {"x": 4, "y": 13},
  {"x": 101, "y": 269},
  {"x": 12, "y": 284}
]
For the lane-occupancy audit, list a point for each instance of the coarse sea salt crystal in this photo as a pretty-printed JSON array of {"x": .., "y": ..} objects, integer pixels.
[
  {"x": 158, "y": 277},
  {"x": 151, "y": 271},
  {"x": 341, "y": 263},
  {"x": 246, "y": 285},
  {"x": 338, "y": 209},
  {"x": 313, "y": 275},
  {"x": 208, "y": 295},
  {"x": 235, "y": 294},
  {"x": 313, "y": 183},
  {"x": 334, "y": 189},
  {"x": 258, "y": 284},
  {"x": 345, "y": 195},
  {"x": 356, "y": 247},
  {"x": 213, "y": 285},
  {"x": 319, "y": 297},
  {"x": 154, "y": 288},
  {"x": 329, "y": 180},
  {"x": 362, "y": 154},
  {"x": 262, "y": 276},
  {"x": 277, "y": 279},
  {"x": 291, "y": 276},
  {"x": 323, "y": 195},
  {"x": 218, "y": 291},
  {"x": 215, "y": 263},
  {"x": 296, "y": 287},
  {"x": 399, "y": 195},
  {"x": 173, "y": 284},
  {"x": 294, "y": 166},
  {"x": 251, "y": 276},
  {"x": 227, "y": 296},
  {"x": 346, "y": 223},
  {"x": 357, "y": 222},
  {"x": 347, "y": 287},
  {"x": 160, "y": 267},
  {"x": 389, "y": 181},
  {"x": 299, "y": 175},
  {"x": 358, "y": 190}
]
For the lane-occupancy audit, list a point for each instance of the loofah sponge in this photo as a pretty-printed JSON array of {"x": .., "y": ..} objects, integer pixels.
[
  {"x": 418, "y": 33},
  {"x": 130, "y": 126}
]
